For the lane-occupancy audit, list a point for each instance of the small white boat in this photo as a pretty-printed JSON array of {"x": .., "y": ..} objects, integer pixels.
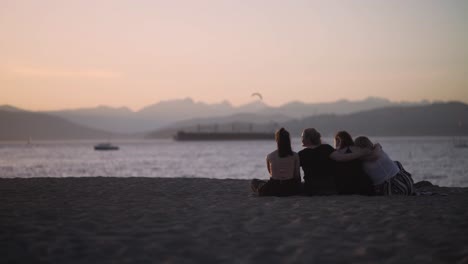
[{"x": 105, "y": 146}]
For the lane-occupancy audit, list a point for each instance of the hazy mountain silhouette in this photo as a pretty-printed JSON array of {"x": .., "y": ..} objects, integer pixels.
[
  {"x": 100, "y": 111},
  {"x": 20, "y": 125},
  {"x": 10, "y": 108},
  {"x": 439, "y": 119},
  {"x": 299, "y": 109},
  {"x": 242, "y": 122},
  {"x": 258, "y": 107},
  {"x": 118, "y": 120},
  {"x": 176, "y": 110},
  {"x": 241, "y": 118},
  {"x": 165, "y": 113}
]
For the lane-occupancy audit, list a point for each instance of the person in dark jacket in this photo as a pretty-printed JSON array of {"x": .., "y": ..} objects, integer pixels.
[
  {"x": 350, "y": 176},
  {"x": 318, "y": 167}
]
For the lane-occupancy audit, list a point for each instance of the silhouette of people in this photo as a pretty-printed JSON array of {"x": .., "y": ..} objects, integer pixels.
[
  {"x": 319, "y": 169},
  {"x": 353, "y": 167},
  {"x": 283, "y": 167},
  {"x": 350, "y": 176}
]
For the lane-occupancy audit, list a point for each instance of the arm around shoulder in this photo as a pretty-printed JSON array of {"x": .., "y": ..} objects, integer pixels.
[{"x": 355, "y": 154}]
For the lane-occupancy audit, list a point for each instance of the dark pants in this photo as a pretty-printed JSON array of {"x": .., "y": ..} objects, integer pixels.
[
  {"x": 276, "y": 187},
  {"x": 314, "y": 188}
]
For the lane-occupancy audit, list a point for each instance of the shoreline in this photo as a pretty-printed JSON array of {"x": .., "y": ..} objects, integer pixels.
[
  {"x": 170, "y": 138},
  {"x": 139, "y": 219}
]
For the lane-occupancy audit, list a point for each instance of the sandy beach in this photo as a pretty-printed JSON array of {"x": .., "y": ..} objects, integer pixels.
[{"x": 176, "y": 220}]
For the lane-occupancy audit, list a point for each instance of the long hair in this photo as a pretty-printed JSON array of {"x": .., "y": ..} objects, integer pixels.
[
  {"x": 284, "y": 143},
  {"x": 345, "y": 139}
]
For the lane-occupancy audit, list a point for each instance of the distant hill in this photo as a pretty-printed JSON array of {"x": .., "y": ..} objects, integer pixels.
[
  {"x": 235, "y": 122},
  {"x": 10, "y": 108},
  {"x": 166, "y": 113},
  {"x": 300, "y": 109},
  {"x": 439, "y": 119},
  {"x": 235, "y": 118},
  {"x": 185, "y": 108},
  {"x": 118, "y": 120},
  {"x": 16, "y": 125}
]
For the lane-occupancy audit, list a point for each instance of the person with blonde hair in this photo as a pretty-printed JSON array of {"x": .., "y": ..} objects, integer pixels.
[
  {"x": 283, "y": 167},
  {"x": 388, "y": 176}
]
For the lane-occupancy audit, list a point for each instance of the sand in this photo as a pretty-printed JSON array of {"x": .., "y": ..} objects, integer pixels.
[{"x": 154, "y": 220}]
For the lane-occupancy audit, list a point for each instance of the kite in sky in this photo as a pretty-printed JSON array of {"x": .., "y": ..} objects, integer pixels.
[{"x": 258, "y": 94}]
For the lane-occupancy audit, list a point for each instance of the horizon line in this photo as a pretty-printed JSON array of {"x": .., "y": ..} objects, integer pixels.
[{"x": 225, "y": 101}]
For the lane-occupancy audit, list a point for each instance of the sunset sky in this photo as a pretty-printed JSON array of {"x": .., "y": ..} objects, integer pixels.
[{"x": 70, "y": 54}]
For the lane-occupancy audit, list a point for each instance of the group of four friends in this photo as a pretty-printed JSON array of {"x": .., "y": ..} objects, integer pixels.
[{"x": 352, "y": 167}]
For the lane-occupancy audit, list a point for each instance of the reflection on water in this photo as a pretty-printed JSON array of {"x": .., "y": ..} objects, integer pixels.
[{"x": 427, "y": 158}]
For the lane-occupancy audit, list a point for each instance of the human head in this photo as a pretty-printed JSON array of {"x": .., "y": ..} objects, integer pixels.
[
  {"x": 284, "y": 142},
  {"x": 310, "y": 136},
  {"x": 343, "y": 140},
  {"x": 363, "y": 142}
]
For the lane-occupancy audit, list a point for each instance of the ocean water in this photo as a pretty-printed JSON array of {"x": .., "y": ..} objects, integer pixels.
[{"x": 426, "y": 158}]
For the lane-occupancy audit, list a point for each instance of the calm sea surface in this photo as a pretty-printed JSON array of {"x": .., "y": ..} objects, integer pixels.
[{"x": 427, "y": 158}]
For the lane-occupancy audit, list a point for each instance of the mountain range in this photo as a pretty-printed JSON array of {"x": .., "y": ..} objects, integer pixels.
[
  {"x": 23, "y": 125},
  {"x": 372, "y": 116},
  {"x": 437, "y": 119},
  {"x": 165, "y": 113}
]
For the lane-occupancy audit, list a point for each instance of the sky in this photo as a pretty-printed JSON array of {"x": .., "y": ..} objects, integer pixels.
[{"x": 71, "y": 54}]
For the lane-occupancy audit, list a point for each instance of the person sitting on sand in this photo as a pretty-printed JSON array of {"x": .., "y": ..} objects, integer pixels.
[
  {"x": 350, "y": 176},
  {"x": 283, "y": 166},
  {"x": 319, "y": 169},
  {"x": 388, "y": 176}
]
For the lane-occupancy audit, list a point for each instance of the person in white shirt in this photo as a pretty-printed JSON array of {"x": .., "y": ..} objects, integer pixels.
[{"x": 283, "y": 167}]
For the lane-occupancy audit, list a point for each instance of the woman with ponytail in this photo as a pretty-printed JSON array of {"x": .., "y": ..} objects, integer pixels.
[{"x": 283, "y": 167}]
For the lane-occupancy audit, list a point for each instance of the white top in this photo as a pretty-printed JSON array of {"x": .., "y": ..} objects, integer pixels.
[
  {"x": 381, "y": 169},
  {"x": 283, "y": 168}
]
